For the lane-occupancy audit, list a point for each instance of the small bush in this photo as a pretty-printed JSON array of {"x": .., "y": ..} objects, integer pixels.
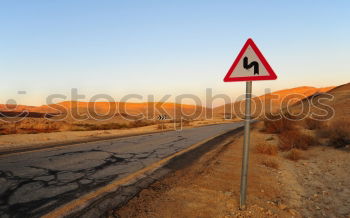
[
  {"x": 339, "y": 133},
  {"x": 294, "y": 154},
  {"x": 270, "y": 162},
  {"x": 266, "y": 148},
  {"x": 275, "y": 125},
  {"x": 312, "y": 124},
  {"x": 295, "y": 139}
]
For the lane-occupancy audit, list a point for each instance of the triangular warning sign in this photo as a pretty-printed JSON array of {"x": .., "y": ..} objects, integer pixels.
[{"x": 250, "y": 65}]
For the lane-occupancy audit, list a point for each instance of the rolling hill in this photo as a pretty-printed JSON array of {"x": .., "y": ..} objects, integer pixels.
[
  {"x": 265, "y": 103},
  {"x": 334, "y": 104}
]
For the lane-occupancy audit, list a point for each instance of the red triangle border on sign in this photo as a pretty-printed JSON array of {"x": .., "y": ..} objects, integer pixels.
[{"x": 250, "y": 42}]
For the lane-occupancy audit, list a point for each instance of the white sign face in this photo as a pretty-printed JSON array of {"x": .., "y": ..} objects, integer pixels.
[{"x": 250, "y": 65}]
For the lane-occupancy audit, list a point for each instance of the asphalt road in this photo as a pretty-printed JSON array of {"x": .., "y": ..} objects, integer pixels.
[{"x": 33, "y": 183}]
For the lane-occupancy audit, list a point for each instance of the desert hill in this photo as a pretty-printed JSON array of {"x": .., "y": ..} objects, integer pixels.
[
  {"x": 270, "y": 102},
  {"x": 265, "y": 103},
  {"x": 123, "y": 114},
  {"x": 322, "y": 104},
  {"x": 105, "y": 108}
]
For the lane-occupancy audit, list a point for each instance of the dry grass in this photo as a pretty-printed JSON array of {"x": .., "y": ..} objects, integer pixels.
[
  {"x": 313, "y": 124},
  {"x": 109, "y": 126},
  {"x": 31, "y": 126},
  {"x": 41, "y": 125},
  {"x": 323, "y": 133},
  {"x": 139, "y": 123},
  {"x": 295, "y": 139},
  {"x": 8, "y": 131},
  {"x": 294, "y": 154},
  {"x": 266, "y": 148},
  {"x": 270, "y": 162}
]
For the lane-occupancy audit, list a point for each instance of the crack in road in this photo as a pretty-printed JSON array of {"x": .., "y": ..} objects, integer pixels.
[
  {"x": 33, "y": 185},
  {"x": 54, "y": 179}
]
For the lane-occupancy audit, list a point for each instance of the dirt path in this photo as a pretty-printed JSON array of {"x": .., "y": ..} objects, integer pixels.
[{"x": 317, "y": 186}]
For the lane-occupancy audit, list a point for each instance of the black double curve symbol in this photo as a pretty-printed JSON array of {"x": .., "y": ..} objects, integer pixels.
[{"x": 252, "y": 64}]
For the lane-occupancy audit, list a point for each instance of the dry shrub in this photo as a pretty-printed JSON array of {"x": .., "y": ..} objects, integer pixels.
[
  {"x": 312, "y": 124},
  {"x": 161, "y": 126},
  {"x": 35, "y": 131},
  {"x": 106, "y": 126},
  {"x": 275, "y": 125},
  {"x": 31, "y": 126},
  {"x": 8, "y": 131},
  {"x": 266, "y": 148},
  {"x": 109, "y": 126},
  {"x": 139, "y": 123},
  {"x": 338, "y": 133},
  {"x": 186, "y": 123},
  {"x": 294, "y": 154},
  {"x": 270, "y": 162},
  {"x": 295, "y": 139},
  {"x": 323, "y": 133}
]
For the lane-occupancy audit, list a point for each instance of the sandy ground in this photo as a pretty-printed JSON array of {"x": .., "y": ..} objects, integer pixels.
[
  {"x": 319, "y": 185},
  {"x": 316, "y": 186},
  {"x": 210, "y": 188},
  {"x": 20, "y": 141}
]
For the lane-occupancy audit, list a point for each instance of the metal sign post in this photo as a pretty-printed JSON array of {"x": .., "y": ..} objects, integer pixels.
[
  {"x": 250, "y": 65},
  {"x": 246, "y": 140}
]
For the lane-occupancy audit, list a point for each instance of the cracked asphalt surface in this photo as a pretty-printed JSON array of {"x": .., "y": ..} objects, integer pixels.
[{"x": 34, "y": 183}]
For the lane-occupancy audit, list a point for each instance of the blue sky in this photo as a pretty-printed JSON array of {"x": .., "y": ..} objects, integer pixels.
[{"x": 164, "y": 47}]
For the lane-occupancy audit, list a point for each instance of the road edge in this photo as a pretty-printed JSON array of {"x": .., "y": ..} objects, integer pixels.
[{"x": 53, "y": 145}]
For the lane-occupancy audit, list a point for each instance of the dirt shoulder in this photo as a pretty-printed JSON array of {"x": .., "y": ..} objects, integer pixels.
[
  {"x": 316, "y": 186},
  {"x": 210, "y": 188},
  {"x": 42, "y": 140},
  {"x": 15, "y": 142}
]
